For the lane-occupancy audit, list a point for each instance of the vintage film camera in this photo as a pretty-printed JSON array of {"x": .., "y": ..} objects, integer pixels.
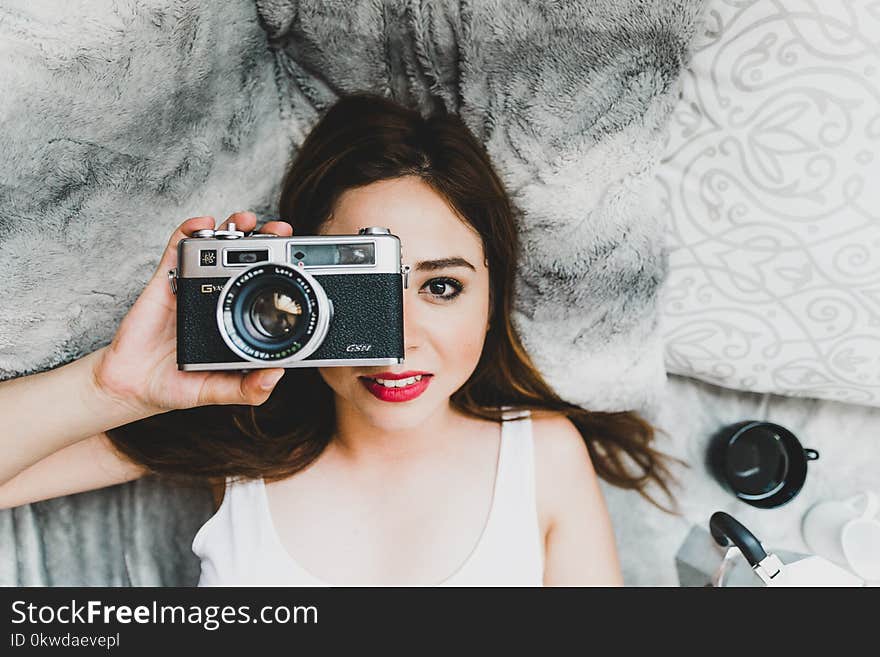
[{"x": 261, "y": 301}]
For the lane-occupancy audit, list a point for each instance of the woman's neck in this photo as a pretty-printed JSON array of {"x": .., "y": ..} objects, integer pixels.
[{"x": 360, "y": 440}]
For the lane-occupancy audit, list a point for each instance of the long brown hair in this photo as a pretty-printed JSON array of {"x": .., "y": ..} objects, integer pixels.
[{"x": 363, "y": 139}]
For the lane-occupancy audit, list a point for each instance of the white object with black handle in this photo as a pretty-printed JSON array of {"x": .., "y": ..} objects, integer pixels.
[{"x": 812, "y": 571}]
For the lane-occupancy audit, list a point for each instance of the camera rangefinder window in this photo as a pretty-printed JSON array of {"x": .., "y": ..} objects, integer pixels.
[
  {"x": 240, "y": 257},
  {"x": 329, "y": 255}
]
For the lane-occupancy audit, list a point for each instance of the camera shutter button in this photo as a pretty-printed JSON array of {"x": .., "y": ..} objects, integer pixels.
[
  {"x": 374, "y": 230},
  {"x": 231, "y": 233},
  {"x": 204, "y": 232}
]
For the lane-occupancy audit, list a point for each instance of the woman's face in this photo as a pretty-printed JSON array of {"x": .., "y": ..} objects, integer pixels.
[{"x": 445, "y": 308}]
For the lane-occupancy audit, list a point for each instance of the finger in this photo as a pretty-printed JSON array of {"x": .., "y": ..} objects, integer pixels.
[
  {"x": 280, "y": 228},
  {"x": 186, "y": 229},
  {"x": 244, "y": 221},
  {"x": 252, "y": 388}
]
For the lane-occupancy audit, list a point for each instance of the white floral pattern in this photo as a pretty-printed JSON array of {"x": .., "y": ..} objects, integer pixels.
[{"x": 771, "y": 183}]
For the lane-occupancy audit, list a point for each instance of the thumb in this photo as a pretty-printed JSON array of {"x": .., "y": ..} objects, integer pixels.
[{"x": 252, "y": 388}]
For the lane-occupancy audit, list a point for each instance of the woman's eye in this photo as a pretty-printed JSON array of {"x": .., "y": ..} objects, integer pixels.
[{"x": 443, "y": 288}]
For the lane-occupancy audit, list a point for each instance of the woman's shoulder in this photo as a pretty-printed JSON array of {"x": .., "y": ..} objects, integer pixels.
[
  {"x": 557, "y": 440},
  {"x": 562, "y": 461},
  {"x": 579, "y": 538}
]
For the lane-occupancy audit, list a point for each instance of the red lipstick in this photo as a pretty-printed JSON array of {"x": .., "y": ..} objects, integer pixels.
[{"x": 396, "y": 394}]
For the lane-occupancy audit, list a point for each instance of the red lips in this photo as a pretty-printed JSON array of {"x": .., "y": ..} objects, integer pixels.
[{"x": 404, "y": 394}]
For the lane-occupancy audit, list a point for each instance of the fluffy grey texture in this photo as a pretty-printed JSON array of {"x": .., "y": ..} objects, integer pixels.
[
  {"x": 571, "y": 101},
  {"x": 120, "y": 119},
  {"x": 135, "y": 534}
]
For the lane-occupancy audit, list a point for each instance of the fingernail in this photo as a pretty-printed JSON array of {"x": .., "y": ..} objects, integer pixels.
[{"x": 268, "y": 381}]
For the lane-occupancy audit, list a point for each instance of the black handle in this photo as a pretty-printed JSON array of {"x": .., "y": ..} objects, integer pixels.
[
  {"x": 726, "y": 529},
  {"x": 811, "y": 454}
]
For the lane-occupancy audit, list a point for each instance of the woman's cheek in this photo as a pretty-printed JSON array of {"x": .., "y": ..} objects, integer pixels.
[
  {"x": 465, "y": 338},
  {"x": 336, "y": 377}
]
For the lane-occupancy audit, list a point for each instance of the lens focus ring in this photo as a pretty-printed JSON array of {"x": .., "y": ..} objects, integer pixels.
[{"x": 273, "y": 313}]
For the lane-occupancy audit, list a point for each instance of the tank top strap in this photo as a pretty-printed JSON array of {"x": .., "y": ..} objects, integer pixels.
[
  {"x": 516, "y": 471},
  {"x": 233, "y": 531},
  {"x": 240, "y": 491},
  {"x": 512, "y": 550}
]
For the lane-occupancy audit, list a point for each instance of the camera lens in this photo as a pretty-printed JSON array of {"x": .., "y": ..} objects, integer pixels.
[{"x": 273, "y": 313}]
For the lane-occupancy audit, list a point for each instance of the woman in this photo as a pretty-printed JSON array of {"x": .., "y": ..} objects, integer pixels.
[{"x": 471, "y": 471}]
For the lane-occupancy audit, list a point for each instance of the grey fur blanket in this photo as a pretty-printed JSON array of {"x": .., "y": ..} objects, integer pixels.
[{"x": 120, "y": 119}]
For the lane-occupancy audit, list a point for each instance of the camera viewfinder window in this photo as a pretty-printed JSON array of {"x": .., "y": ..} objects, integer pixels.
[{"x": 334, "y": 255}]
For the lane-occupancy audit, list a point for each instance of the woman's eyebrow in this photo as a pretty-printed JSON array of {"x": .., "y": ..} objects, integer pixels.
[{"x": 443, "y": 263}]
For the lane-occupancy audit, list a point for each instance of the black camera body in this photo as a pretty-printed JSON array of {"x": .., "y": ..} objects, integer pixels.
[{"x": 263, "y": 301}]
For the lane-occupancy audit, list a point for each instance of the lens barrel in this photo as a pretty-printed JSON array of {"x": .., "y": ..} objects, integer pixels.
[{"x": 273, "y": 313}]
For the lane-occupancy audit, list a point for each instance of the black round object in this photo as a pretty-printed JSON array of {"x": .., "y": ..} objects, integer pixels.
[{"x": 762, "y": 463}]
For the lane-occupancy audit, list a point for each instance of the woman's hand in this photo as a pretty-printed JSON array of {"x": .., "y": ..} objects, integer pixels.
[{"x": 139, "y": 367}]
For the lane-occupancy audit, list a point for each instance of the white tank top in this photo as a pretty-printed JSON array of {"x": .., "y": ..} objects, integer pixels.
[{"x": 239, "y": 546}]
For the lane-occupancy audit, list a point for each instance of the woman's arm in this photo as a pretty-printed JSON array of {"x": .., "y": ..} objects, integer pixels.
[
  {"x": 85, "y": 465},
  {"x": 47, "y": 412},
  {"x": 136, "y": 376},
  {"x": 580, "y": 548}
]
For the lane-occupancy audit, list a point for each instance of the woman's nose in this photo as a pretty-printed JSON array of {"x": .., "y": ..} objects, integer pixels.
[{"x": 413, "y": 328}]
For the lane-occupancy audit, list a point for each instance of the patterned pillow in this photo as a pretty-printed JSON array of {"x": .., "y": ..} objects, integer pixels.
[{"x": 772, "y": 185}]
